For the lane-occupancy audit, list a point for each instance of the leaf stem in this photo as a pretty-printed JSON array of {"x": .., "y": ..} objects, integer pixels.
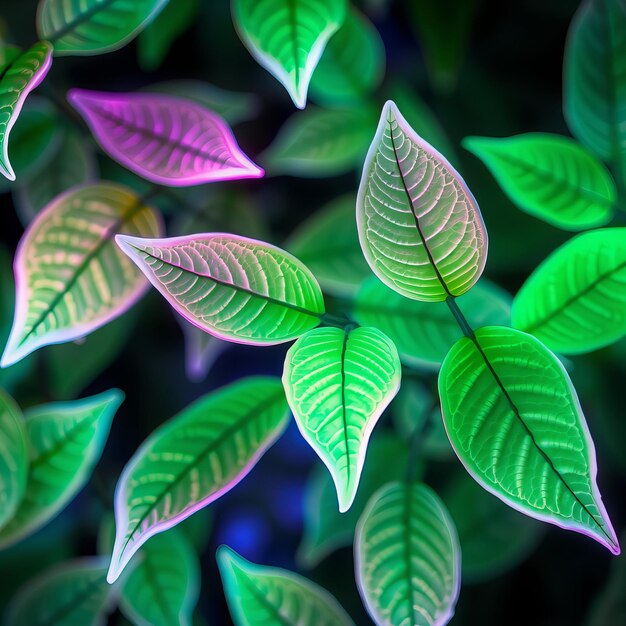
[{"x": 460, "y": 318}]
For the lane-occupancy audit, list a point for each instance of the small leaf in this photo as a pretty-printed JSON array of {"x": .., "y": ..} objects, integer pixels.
[
  {"x": 550, "y": 177},
  {"x": 164, "y": 139},
  {"x": 20, "y": 73},
  {"x": 515, "y": 422},
  {"x": 74, "y": 593},
  {"x": 66, "y": 442},
  {"x": 13, "y": 458},
  {"x": 321, "y": 142},
  {"x": 420, "y": 228},
  {"x": 287, "y": 37},
  {"x": 201, "y": 350},
  {"x": 328, "y": 244},
  {"x": 163, "y": 588},
  {"x": 407, "y": 557},
  {"x": 70, "y": 276},
  {"x": 575, "y": 301},
  {"x": 235, "y": 288},
  {"x": 86, "y": 27},
  {"x": 353, "y": 63},
  {"x": 424, "y": 331},
  {"x": 271, "y": 596},
  {"x": 193, "y": 459},
  {"x": 594, "y": 80},
  {"x": 338, "y": 383}
]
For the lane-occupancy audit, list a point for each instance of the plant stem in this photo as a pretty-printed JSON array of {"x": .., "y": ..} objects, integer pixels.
[
  {"x": 460, "y": 318},
  {"x": 415, "y": 445}
]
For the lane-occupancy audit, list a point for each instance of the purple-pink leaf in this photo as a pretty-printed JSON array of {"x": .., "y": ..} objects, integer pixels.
[{"x": 167, "y": 140}]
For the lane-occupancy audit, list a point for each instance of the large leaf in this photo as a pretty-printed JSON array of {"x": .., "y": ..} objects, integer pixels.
[
  {"x": 193, "y": 459},
  {"x": 420, "y": 228},
  {"x": 407, "y": 557},
  {"x": 66, "y": 441},
  {"x": 321, "y": 142},
  {"x": 85, "y": 27},
  {"x": 74, "y": 593},
  {"x": 424, "y": 331},
  {"x": 514, "y": 421},
  {"x": 70, "y": 276},
  {"x": 20, "y": 73},
  {"x": 353, "y": 63},
  {"x": 328, "y": 244},
  {"x": 13, "y": 457},
  {"x": 287, "y": 37},
  {"x": 550, "y": 177},
  {"x": 165, "y": 139},
  {"x": 235, "y": 288},
  {"x": 594, "y": 89},
  {"x": 338, "y": 383},
  {"x": 271, "y": 596},
  {"x": 575, "y": 301}
]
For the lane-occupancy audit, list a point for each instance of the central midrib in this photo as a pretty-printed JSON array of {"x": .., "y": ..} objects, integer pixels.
[
  {"x": 408, "y": 505},
  {"x": 79, "y": 19},
  {"x": 291, "y": 8},
  {"x": 343, "y": 402}
]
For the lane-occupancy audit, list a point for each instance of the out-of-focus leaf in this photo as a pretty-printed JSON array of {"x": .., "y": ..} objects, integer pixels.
[
  {"x": 70, "y": 276},
  {"x": 321, "y": 142},
  {"x": 193, "y": 459},
  {"x": 154, "y": 42},
  {"x": 74, "y": 593},
  {"x": 66, "y": 441},
  {"x": 353, "y": 63},
  {"x": 165, "y": 139},
  {"x": 575, "y": 301},
  {"x": 13, "y": 458},
  {"x": 424, "y": 331},
  {"x": 551, "y": 177},
  {"x": 288, "y": 37},
  {"x": 328, "y": 244},
  {"x": 515, "y": 422},
  {"x": 325, "y": 528},
  {"x": 86, "y": 27},
  {"x": 407, "y": 557},
  {"x": 20, "y": 73},
  {"x": 237, "y": 289},
  {"x": 338, "y": 383},
  {"x": 420, "y": 228},
  {"x": 271, "y": 596},
  {"x": 201, "y": 350}
]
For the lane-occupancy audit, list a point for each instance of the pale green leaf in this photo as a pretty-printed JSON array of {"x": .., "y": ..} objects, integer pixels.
[
  {"x": 515, "y": 422},
  {"x": 420, "y": 228},
  {"x": 271, "y": 596},
  {"x": 407, "y": 557},
  {"x": 338, "y": 383},
  {"x": 193, "y": 459}
]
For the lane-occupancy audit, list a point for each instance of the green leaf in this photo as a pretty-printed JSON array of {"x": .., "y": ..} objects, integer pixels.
[
  {"x": 321, "y": 142},
  {"x": 328, "y": 244},
  {"x": 13, "y": 457},
  {"x": 74, "y": 593},
  {"x": 287, "y": 37},
  {"x": 155, "y": 41},
  {"x": 325, "y": 528},
  {"x": 515, "y": 422},
  {"x": 193, "y": 459},
  {"x": 420, "y": 228},
  {"x": 424, "y": 331},
  {"x": 271, "y": 596},
  {"x": 353, "y": 63},
  {"x": 407, "y": 557},
  {"x": 86, "y": 27},
  {"x": 235, "y": 288},
  {"x": 163, "y": 588},
  {"x": 575, "y": 301},
  {"x": 594, "y": 80},
  {"x": 66, "y": 441},
  {"x": 20, "y": 73},
  {"x": 494, "y": 538},
  {"x": 70, "y": 276},
  {"x": 550, "y": 177},
  {"x": 338, "y": 383}
]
